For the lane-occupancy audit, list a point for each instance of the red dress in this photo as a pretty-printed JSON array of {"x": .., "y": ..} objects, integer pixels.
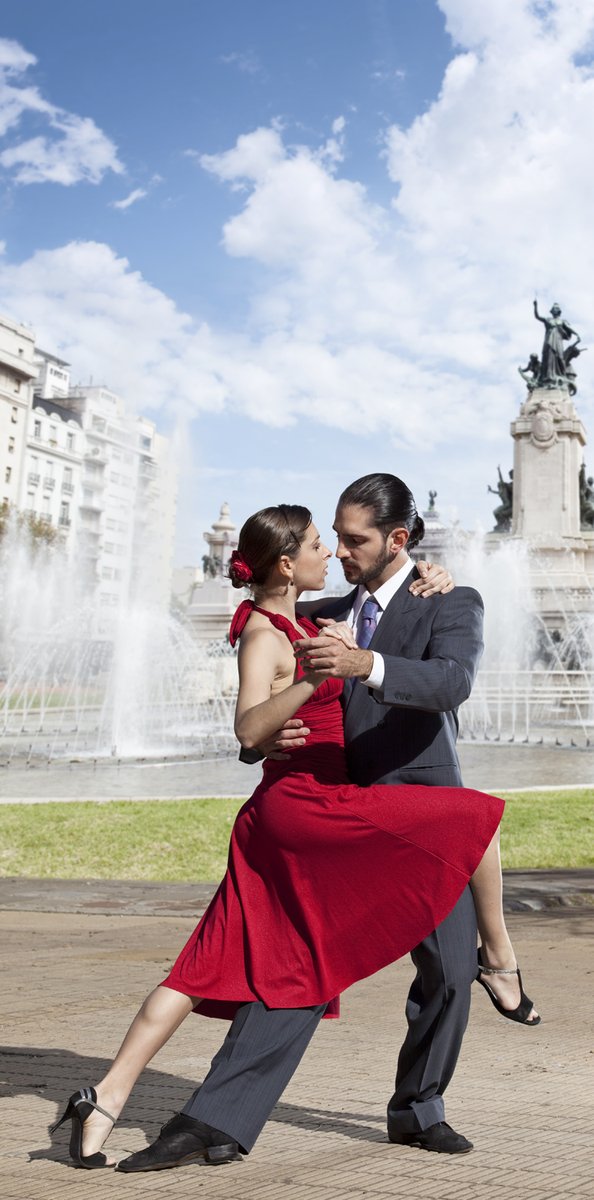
[{"x": 327, "y": 881}]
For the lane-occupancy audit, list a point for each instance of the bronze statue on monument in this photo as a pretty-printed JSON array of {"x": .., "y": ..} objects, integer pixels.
[
  {"x": 586, "y": 499},
  {"x": 555, "y": 369},
  {"x": 504, "y": 511}
]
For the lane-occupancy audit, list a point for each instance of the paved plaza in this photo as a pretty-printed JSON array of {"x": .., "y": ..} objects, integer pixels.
[{"x": 73, "y": 978}]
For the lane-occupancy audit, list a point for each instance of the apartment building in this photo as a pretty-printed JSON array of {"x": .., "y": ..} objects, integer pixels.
[
  {"x": 75, "y": 458},
  {"x": 127, "y": 504},
  {"x": 17, "y": 374},
  {"x": 154, "y": 530},
  {"x": 51, "y": 480}
]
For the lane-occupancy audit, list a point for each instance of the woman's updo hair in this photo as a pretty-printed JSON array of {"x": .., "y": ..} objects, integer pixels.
[
  {"x": 391, "y": 502},
  {"x": 263, "y": 539}
]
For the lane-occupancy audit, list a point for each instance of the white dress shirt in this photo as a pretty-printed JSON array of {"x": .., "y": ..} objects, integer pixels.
[{"x": 383, "y": 595}]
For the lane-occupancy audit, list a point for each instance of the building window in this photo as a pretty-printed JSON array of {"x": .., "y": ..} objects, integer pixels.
[
  {"x": 14, "y": 415},
  {"x": 7, "y": 474},
  {"x": 11, "y": 445},
  {"x": 37, "y": 429},
  {"x": 70, "y": 441},
  {"x": 53, "y": 437},
  {"x": 17, "y": 385},
  {"x": 64, "y": 513}
]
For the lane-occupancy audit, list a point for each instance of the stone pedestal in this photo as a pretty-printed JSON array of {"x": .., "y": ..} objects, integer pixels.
[
  {"x": 548, "y": 449},
  {"x": 212, "y": 608},
  {"x": 549, "y": 439},
  {"x": 214, "y": 600},
  {"x": 434, "y": 546}
]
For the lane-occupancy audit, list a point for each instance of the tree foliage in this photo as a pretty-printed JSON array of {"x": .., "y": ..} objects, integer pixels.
[{"x": 38, "y": 529}]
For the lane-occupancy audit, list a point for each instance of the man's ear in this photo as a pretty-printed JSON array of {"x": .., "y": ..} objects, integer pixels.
[{"x": 397, "y": 540}]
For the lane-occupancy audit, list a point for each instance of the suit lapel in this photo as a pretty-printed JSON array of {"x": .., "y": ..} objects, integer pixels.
[
  {"x": 340, "y": 608},
  {"x": 392, "y": 631}
]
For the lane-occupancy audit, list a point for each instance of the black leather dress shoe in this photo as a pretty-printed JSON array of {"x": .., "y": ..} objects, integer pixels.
[
  {"x": 183, "y": 1140},
  {"x": 440, "y": 1137}
]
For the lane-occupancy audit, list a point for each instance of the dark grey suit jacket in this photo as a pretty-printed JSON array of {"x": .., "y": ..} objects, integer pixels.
[{"x": 431, "y": 649}]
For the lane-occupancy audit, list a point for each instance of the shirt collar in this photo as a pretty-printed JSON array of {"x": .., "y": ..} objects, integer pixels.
[{"x": 385, "y": 593}]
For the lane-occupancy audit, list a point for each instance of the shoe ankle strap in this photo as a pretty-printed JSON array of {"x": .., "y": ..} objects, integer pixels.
[{"x": 93, "y": 1104}]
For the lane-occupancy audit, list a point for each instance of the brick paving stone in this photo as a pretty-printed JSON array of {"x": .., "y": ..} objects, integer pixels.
[{"x": 71, "y": 982}]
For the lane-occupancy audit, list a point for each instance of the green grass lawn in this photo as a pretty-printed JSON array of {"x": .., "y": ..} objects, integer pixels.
[{"x": 186, "y": 840}]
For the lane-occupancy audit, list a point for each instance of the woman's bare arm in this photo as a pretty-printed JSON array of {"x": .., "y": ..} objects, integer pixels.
[{"x": 258, "y": 713}]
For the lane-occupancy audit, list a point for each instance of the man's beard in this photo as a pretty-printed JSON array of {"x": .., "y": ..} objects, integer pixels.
[{"x": 372, "y": 572}]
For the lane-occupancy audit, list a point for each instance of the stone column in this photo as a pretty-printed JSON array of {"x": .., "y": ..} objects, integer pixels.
[
  {"x": 548, "y": 450},
  {"x": 214, "y": 600},
  {"x": 549, "y": 439}
]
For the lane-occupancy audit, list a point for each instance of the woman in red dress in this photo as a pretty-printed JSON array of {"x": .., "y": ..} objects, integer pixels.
[{"x": 300, "y": 914}]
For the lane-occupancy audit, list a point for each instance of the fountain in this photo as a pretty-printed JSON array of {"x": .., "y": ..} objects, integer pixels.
[
  {"x": 536, "y": 680},
  {"x": 75, "y": 685},
  {"x": 536, "y": 569}
]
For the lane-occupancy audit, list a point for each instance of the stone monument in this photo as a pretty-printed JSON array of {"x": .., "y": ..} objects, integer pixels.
[
  {"x": 547, "y": 503},
  {"x": 437, "y": 535},
  {"x": 214, "y": 600}
]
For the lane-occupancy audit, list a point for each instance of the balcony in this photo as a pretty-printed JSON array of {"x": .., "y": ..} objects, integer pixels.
[
  {"x": 92, "y": 506},
  {"x": 19, "y": 364},
  {"x": 68, "y": 488},
  {"x": 148, "y": 470},
  {"x": 64, "y": 522},
  {"x": 95, "y": 480},
  {"x": 33, "y": 479},
  {"x": 49, "y": 483},
  {"x": 96, "y": 456}
]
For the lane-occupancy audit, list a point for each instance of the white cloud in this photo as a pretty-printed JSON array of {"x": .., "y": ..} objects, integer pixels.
[
  {"x": 128, "y": 201},
  {"x": 73, "y": 149},
  {"x": 13, "y": 57},
  {"x": 246, "y": 61},
  {"x": 251, "y": 158}
]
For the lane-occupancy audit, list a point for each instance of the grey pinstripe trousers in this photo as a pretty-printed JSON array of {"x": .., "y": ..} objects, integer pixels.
[{"x": 264, "y": 1046}]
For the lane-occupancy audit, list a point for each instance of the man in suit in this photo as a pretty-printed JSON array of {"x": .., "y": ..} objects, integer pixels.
[{"x": 415, "y": 664}]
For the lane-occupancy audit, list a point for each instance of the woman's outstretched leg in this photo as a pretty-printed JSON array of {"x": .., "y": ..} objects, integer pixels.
[
  {"x": 161, "y": 1014},
  {"x": 496, "y": 947}
]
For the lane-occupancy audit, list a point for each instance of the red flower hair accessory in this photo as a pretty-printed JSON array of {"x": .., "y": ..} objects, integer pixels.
[{"x": 241, "y": 570}]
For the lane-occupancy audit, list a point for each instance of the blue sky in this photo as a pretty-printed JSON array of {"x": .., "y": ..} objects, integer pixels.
[{"x": 305, "y": 237}]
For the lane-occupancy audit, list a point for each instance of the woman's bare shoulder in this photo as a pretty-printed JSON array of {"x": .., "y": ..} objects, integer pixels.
[{"x": 260, "y": 637}]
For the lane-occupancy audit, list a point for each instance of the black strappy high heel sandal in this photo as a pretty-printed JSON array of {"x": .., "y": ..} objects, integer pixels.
[
  {"x": 80, "y": 1106},
  {"x": 525, "y": 1006}
]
